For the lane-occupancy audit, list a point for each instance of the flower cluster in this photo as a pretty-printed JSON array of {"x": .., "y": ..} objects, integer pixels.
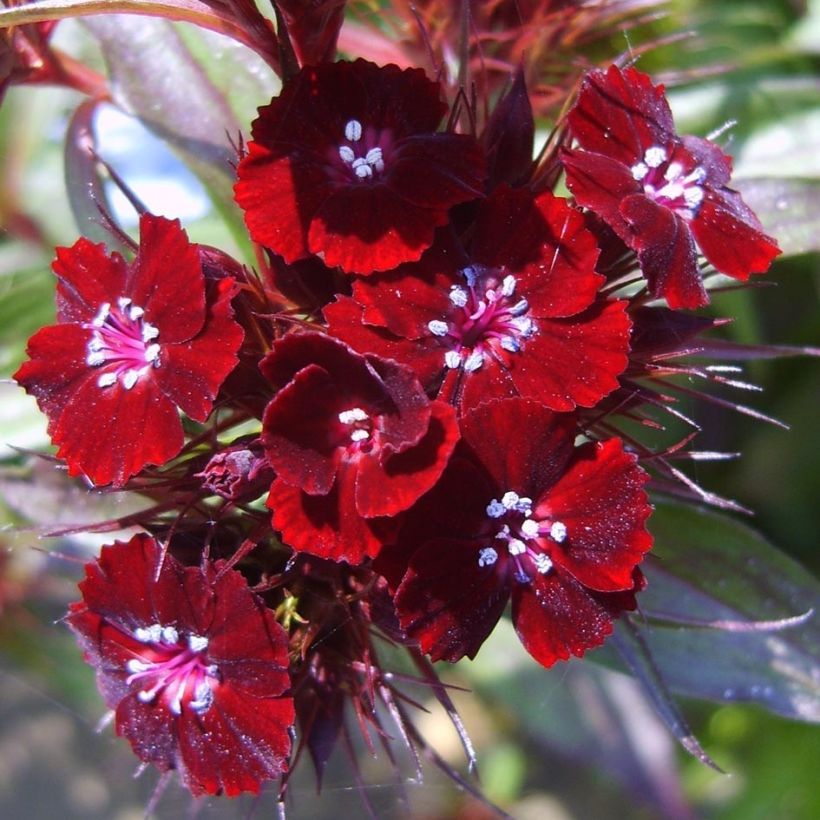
[{"x": 412, "y": 413}]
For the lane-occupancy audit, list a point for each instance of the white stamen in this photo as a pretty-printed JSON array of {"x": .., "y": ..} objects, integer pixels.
[
  {"x": 510, "y": 500},
  {"x": 516, "y": 547},
  {"x": 508, "y": 286},
  {"x": 510, "y": 344},
  {"x": 151, "y": 353},
  {"x": 374, "y": 157},
  {"x": 452, "y": 358},
  {"x": 674, "y": 170},
  {"x": 135, "y": 666},
  {"x": 542, "y": 563},
  {"x": 639, "y": 171},
  {"x": 655, "y": 156},
  {"x": 438, "y": 328},
  {"x": 363, "y": 171},
  {"x": 196, "y": 643},
  {"x": 558, "y": 532},
  {"x": 175, "y": 704},
  {"x": 521, "y": 306},
  {"x": 693, "y": 196},
  {"x": 123, "y": 302},
  {"x": 135, "y": 313},
  {"x": 353, "y": 415},
  {"x": 526, "y": 327},
  {"x": 106, "y": 379},
  {"x": 149, "y": 332},
  {"x": 458, "y": 296},
  {"x": 346, "y": 154},
  {"x": 495, "y": 509},
  {"x": 169, "y": 634},
  {"x": 474, "y": 361},
  {"x": 672, "y": 190},
  {"x": 95, "y": 358},
  {"x": 353, "y": 131},
  {"x": 203, "y": 698},
  {"x": 149, "y": 634},
  {"x": 470, "y": 274},
  {"x": 359, "y": 435},
  {"x": 130, "y": 378},
  {"x": 96, "y": 343},
  {"x": 102, "y": 314},
  {"x": 530, "y": 528},
  {"x": 487, "y": 557},
  {"x": 146, "y": 695}
]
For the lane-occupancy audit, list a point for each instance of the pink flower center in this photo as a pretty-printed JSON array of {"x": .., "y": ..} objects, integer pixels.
[
  {"x": 527, "y": 539},
  {"x": 673, "y": 182},
  {"x": 361, "y": 157},
  {"x": 173, "y": 670},
  {"x": 486, "y": 316},
  {"x": 123, "y": 342}
]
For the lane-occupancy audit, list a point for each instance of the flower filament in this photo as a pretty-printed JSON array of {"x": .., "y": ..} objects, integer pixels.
[
  {"x": 527, "y": 539},
  {"x": 121, "y": 337},
  {"x": 668, "y": 183},
  {"x": 173, "y": 669},
  {"x": 486, "y": 316}
]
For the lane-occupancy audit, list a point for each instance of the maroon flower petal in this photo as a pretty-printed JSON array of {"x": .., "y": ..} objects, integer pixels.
[
  {"x": 174, "y": 302},
  {"x": 666, "y": 251},
  {"x": 447, "y": 602},
  {"x": 555, "y": 618},
  {"x": 388, "y": 488},
  {"x": 620, "y": 113},
  {"x": 601, "y": 502},
  {"x": 328, "y": 526},
  {"x": 731, "y": 237}
]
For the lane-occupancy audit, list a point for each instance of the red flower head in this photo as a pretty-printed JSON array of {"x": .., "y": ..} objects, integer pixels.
[
  {"x": 352, "y": 438},
  {"x": 514, "y": 313},
  {"x": 521, "y": 511},
  {"x": 136, "y": 343},
  {"x": 345, "y": 164},
  {"x": 659, "y": 192},
  {"x": 193, "y": 663}
]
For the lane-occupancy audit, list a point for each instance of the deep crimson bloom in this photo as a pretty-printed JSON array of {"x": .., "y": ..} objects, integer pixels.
[
  {"x": 346, "y": 164},
  {"x": 659, "y": 192},
  {"x": 521, "y": 511},
  {"x": 514, "y": 313},
  {"x": 352, "y": 438},
  {"x": 136, "y": 342},
  {"x": 193, "y": 663}
]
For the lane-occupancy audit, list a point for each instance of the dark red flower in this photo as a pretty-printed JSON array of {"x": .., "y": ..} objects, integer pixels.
[
  {"x": 346, "y": 164},
  {"x": 513, "y": 313},
  {"x": 659, "y": 192},
  {"x": 352, "y": 438},
  {"x": 193, "y": 663},
  {"x": 521, "y": 511},
  {"x": 136, "y": 343}
]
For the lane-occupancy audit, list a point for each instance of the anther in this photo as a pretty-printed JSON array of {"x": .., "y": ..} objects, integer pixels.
[
  {"x": 353, "y": 131},
  {"x": 487, "y": 557}
]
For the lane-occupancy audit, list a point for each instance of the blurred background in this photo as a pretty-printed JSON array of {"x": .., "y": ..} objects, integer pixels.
[{"x": 578, "y": 741}]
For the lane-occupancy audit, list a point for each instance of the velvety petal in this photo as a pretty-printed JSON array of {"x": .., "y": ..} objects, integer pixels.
[
  {"x": 447, "y": 602},
  {"x": 327, "y": 525},
  {"x": 600, "y": 183},
  {"x": 731, "y": 237},
  {"x": 437, "y": 171},
  {"x": 166, "y": 280},
  {"x": 601, "y": 502},
  {"x": 555, "y": 617},
  {"x": 522, "y": 445},
  {"x": 86, "y": 278},
  {"x": 384, "y": 489},
  {"x": 620, "y": 113},
  {"x": 366, "y": 228},
  {"x": 666, "y": 252},
  {"x": 279, "y": 196},
  {"x": 109, "y": 434},
  {"x": 191, "y": 373}
]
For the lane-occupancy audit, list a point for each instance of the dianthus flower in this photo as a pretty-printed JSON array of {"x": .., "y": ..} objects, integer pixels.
[
  {"x": 345, "y": 164},
  {"x": 136, "y": 343},
  {"x": 522, "y": 512},
  {"x": 193, "y": 664},
  {"x": 512, "y": 313},
  {"x": 353, "y": 440},
  {"x": 661, "y": 193}
]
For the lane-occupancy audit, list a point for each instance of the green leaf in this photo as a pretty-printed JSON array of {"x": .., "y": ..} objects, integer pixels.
[
  {"x": 707, "y": 567},
  {"x": 788, "y": 208}
]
